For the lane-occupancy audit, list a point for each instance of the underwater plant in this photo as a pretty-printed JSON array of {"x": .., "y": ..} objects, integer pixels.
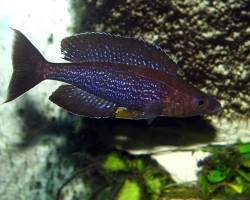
[{"x": 224, "y": 174}]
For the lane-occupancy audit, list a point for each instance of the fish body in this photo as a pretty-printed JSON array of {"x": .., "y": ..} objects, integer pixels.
[{"x": 109, "y": 75}]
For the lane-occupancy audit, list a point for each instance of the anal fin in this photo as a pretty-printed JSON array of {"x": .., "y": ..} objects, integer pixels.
[{"x": 82, "y": 103}]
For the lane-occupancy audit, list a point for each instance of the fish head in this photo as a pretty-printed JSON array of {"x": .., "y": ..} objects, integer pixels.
[
  {"x": 188, "y": 101},
  {"x": 204, "y": 104}
]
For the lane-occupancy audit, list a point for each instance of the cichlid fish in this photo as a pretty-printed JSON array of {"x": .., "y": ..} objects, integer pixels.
[{"x": 109, "y": 75}]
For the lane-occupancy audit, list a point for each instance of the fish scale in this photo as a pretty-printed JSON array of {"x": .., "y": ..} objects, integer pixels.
[{"x": 106, "y": 81}]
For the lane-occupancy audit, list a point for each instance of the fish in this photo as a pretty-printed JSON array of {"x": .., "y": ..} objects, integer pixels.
[{"x": 109, "y": 75}]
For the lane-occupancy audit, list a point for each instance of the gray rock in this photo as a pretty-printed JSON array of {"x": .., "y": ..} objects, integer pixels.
[{"x": 209, "y": 40}]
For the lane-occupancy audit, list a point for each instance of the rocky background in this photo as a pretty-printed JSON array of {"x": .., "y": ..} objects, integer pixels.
[{"x": 208, "y": 39}]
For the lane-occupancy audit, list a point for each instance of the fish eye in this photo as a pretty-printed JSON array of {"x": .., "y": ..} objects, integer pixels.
[{"x": 200, "y": 102}]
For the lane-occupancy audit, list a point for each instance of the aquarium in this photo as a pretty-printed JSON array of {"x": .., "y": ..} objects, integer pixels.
[{"x": 155, "y": 106}]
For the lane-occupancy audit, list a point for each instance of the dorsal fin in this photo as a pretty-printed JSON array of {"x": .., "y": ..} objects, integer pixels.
[{"x": 103, "y": 47}]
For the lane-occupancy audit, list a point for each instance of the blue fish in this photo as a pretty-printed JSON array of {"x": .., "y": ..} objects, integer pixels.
[{"x": 109, "y": 75}]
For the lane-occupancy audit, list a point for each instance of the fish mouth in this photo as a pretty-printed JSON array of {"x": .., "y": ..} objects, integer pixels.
[{"x": 216, "y": 108}]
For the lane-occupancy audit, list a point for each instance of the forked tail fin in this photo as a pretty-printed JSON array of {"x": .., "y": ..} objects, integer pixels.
[{"x": 27, "y": 64}]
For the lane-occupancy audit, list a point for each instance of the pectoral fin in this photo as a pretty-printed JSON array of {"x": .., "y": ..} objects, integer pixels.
[
  {"x": 154, "y": 108},
  {"x": 81, "y": 102}
]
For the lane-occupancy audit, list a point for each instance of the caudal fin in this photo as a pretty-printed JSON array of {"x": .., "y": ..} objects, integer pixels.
[{"x": 27, "y": 67}]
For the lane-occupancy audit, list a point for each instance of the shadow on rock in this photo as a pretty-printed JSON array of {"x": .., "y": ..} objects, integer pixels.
[
  {"x": 96, "y": 135},
  {"x": 37, "y": 127},
  {"x": 135, "y": 135}
]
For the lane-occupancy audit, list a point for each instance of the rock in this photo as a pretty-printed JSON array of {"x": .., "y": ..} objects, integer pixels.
[{"x": 209, "y": 40}]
